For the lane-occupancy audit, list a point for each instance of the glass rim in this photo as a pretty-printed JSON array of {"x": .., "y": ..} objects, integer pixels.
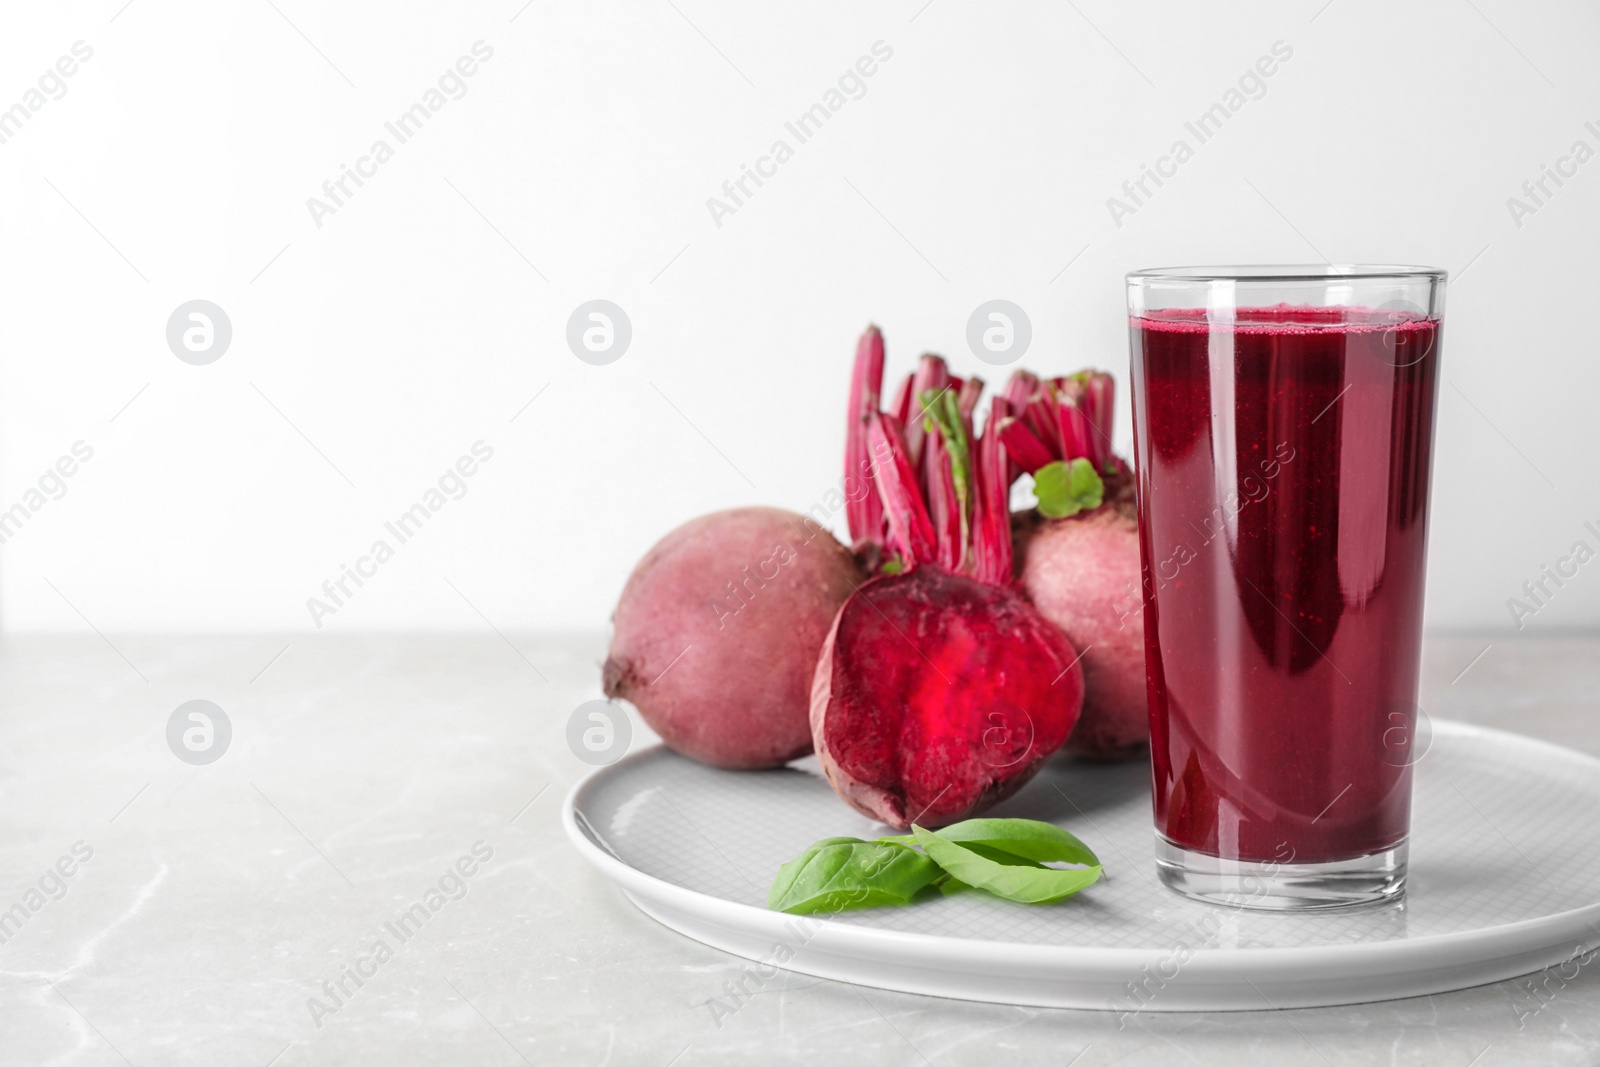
[{"x": 1272, "y": 274}]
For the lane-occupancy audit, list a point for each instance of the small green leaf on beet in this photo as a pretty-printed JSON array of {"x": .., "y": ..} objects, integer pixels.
[{"x": 1064, "y": 489}]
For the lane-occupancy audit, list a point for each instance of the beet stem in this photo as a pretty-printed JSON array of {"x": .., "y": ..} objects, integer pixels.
[
  {"x": 1029, "y": 452},
  {"x": 932, "y": 375},
  {"x": 971, "y": 393},
  {"x": 1041, "y": 415},
  {"x": 1076, "y": 433},
  {"x": 992, "y": 547},
  {"x": 952, "y": 474},
  {"x": 864, "y": 511},
  {"x": 1020, "y": 389},
  {"x": 911, "y": 531},
  {"x": 900, "y": 406},
  {"x": 1099, "y": 403},
  {"x": 943, "y": 504}
]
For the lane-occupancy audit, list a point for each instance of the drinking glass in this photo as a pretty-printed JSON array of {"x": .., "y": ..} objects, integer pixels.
[{"x": 1283, "y": 432}]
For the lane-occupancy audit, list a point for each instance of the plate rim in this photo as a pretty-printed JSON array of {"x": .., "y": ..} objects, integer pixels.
[{"x": 1215, "y": 962}]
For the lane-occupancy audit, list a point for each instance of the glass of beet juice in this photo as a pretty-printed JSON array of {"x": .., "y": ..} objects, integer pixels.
[{"x": 1283, "y": 430}]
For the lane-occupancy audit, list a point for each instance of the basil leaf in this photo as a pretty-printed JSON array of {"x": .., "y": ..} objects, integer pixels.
[
  {"x": 1024, "y": 884},
  {"x": 789, "y": 872},
  {"x": 949, "y": 885},
  {"x": 1005, "y": 859},
  {"x": 839, "y": 873},
  {"x": 1028, "y": 838},
  {"x": 1064, "y": 489}
]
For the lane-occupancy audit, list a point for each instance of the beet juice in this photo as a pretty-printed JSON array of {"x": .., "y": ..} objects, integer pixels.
[{"x": 1283, "y": 455}]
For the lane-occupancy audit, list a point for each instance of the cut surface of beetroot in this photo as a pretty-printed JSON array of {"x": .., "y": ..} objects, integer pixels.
[{"x": 937, "y": 695}]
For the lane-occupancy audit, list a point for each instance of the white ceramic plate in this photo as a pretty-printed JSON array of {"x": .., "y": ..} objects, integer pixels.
[{"x": 1505, "y": 880}]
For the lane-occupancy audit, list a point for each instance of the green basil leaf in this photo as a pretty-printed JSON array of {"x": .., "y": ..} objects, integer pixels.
[
  {"x": 839, "y": 873},
  {"x": 789, "y": 872},
  {"x": 1064, "y": 489},
  {"x": 1005, "y": 859},
  {"x": 1024, "y": 884},
  {"x": 1028, "y": 838},
  {"x": 948, "y": 885}
]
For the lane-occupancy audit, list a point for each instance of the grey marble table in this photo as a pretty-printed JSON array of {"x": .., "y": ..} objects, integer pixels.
[{"x": 406, "y": 790}]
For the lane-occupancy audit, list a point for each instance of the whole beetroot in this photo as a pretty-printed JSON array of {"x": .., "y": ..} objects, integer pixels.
[
  {"x": 1078, "y": 553},
  {"x": 716, "y": 635},
  {"x": 1082, "y": 573}
]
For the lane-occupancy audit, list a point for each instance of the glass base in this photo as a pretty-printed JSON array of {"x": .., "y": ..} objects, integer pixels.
[{"x": 1282, "y": 886}]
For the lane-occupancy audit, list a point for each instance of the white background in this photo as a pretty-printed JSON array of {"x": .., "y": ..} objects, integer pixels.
[{"x": 978, "y": 164}]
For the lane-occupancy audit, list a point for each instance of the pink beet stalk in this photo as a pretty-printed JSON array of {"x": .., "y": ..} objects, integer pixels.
[
  {"x": 1025, "y": 449},
  {"x": 1076, "y": 432},
  {"x": 900, "y": 406},
  {"x": 932, "y": 376},
  {"x": 1099, "y": 399},
  {"x": 992, "y": 550},
  {"x": 971, "y": 391},
  {"x": 1060, "y": 419},
  {"x": 1042, "y": 418},
  {"x": 1020, "y": 388},
  {"x": 944, "y": 506},
  {"x": 911, "y": 532},
  {"x": 863, "y": 510}
]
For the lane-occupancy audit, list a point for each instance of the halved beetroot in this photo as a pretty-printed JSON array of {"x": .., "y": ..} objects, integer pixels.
[
  {"x": 938, "y": 695},
  {"x": 940, "y": 688}
]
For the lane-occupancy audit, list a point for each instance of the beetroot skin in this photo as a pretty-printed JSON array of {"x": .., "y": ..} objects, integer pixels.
[
  {"x": 938, "y": 695},
  {"x": 1082, "y": 573},
  {"x": 717, "y": 633}
]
